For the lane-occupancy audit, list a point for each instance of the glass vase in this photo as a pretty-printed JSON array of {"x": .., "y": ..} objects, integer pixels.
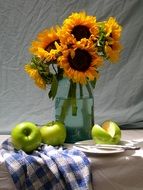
[{"x": 76, "y": 114}]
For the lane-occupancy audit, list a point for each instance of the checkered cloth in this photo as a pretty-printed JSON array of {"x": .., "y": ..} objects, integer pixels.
[{"x": 47, "y": 168}]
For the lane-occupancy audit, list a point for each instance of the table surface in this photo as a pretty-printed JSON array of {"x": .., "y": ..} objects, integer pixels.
[
  {"x": 123, "y": 171},
  {"x": 120, "y": 171}
]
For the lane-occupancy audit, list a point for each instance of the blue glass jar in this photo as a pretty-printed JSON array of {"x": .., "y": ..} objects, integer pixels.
[{"x": 77, "y": 114}]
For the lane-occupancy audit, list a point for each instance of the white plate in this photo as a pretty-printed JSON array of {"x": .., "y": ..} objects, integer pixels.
[
  {"x": 99, "y": 150},
  {"x": 88, "y": 148}
]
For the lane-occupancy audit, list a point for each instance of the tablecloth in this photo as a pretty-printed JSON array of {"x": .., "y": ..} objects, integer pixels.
[
  {"x": 120, "y": 171},
  {"x": 123, "y": 171}
]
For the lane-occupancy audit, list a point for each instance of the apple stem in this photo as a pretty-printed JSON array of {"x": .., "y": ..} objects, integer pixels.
[{"x": 27, "y": 131}]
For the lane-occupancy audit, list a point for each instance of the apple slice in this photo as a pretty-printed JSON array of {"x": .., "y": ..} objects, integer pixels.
[
  {"x": 99, "y": 135},
  {"x": 113, "y": 129},
  {"x": 109, "y": 133}
]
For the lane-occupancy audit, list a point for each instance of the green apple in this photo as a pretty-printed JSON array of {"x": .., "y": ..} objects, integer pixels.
[
  {"x": 108, "y": 133},
  {"x": 53, "y": 133},
  {"x": 26, "y": 136}
]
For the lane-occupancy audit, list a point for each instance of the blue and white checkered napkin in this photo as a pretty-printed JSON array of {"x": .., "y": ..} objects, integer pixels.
[{"x": 47, "y": 168}]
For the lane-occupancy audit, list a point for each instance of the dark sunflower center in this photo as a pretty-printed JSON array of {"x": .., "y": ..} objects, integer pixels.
[
  {"x": 81, "y": 61},
  {"x": 80, "y": 32},
  {"x": 51, "y": 45}
]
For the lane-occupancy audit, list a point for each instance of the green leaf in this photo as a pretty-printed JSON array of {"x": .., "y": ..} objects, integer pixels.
[
  {"x": 35, "y": 59},
  {"x": 54, "y": 87}
]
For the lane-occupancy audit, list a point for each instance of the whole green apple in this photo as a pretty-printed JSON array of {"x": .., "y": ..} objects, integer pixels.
[
  {"x": 108, "y": 133},
  {"x": 53, "y": 133},
  {"x": 26, "y": 136}
]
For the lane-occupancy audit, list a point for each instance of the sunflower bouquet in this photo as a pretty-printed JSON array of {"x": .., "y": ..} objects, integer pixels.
[{"x": 75, "y": 50}]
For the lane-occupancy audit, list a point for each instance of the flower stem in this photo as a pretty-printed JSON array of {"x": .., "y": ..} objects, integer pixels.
[
  {"x": 89, "y": 90},
  {"x": 70, "y": 101},
  {"x": 72, "y": 96},
  {"x": 80, "y": 90}
]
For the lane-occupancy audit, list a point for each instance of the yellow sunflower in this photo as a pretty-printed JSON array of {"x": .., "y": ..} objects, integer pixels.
[
  {"x": 34, "y": 74},
  {"x": 113, "y": 29},
  {"x": 44, "y": 47},
  {"x": 78, "y": 26},
  {"x": 112, "y": 44},
  {"x": 80, "y": 64},
  {"x": 113, "y": 51}
]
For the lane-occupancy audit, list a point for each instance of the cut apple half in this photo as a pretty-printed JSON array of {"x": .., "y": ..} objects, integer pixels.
[{"x": 108, "y": 133}]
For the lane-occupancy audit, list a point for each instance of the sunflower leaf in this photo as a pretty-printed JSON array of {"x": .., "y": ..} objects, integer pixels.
[
  {"x": 54, "y": 87},
  {"x": 35, "y": 59}
]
